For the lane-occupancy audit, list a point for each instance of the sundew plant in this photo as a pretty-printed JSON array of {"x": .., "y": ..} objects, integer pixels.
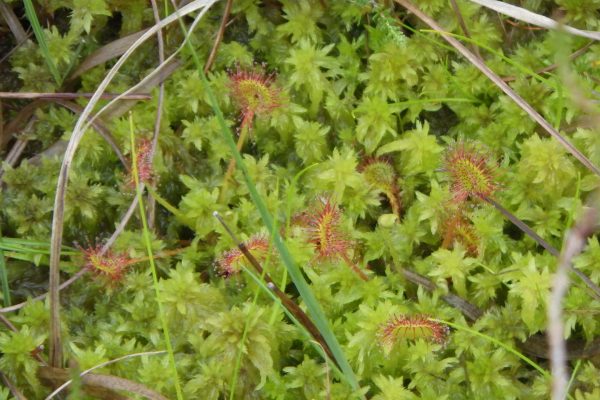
[{"x": 299, "y": 199}]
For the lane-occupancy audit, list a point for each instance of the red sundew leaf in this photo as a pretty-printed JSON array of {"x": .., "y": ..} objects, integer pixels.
[
  {"x": 327, "y": 237},
  {"x": 254, "y": 93},
  {"x": 108, "y": 265},
  {"x": 411, "y": 328},
  {"x": 325, "y": 232},
  {"x": 230, "y": 261},
  {"x": 143, "y": 163}
]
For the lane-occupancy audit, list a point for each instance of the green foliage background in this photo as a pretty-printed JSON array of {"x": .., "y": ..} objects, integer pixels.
[{"x": 356, "y": 84}]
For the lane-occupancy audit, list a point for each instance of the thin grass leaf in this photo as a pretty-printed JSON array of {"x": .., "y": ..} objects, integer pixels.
[
  {"x": 573, "y": 375},
  {"x": 41, "y": 39},
  {"x": 4, "y": 278},
  {"x": 240, "y": 354}
]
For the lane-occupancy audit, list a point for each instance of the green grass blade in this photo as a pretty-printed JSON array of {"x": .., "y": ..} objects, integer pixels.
[
  {"x": 148, "y": 243},
  {"x": 573, "y": 375},
  {"x": 28, "y": 243},
  {"x": 314, "y": 309},
  {"x": 41, "y": 39},
  {"x": 4, "y": 278}
]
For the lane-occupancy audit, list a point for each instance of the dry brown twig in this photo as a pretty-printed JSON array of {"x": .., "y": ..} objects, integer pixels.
[
  {"x": 219, "y": 38},
  {"x": 13, "y": 22},
  {"x": 105, "y": 381}
]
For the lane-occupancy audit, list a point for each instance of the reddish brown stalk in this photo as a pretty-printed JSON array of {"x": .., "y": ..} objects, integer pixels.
[
  {"x": 219, "y": 38},
  {"x": 327, "y": 237},
  {"x": 354, "y": 267}
]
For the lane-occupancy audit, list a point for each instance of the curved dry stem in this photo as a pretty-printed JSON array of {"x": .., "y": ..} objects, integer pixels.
[
  {"x": 55, "y": 342},
  {"x": 522, "y": 14},
  {"x": 145, "y": 391},
  {"x": 502, "y": 85}
]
